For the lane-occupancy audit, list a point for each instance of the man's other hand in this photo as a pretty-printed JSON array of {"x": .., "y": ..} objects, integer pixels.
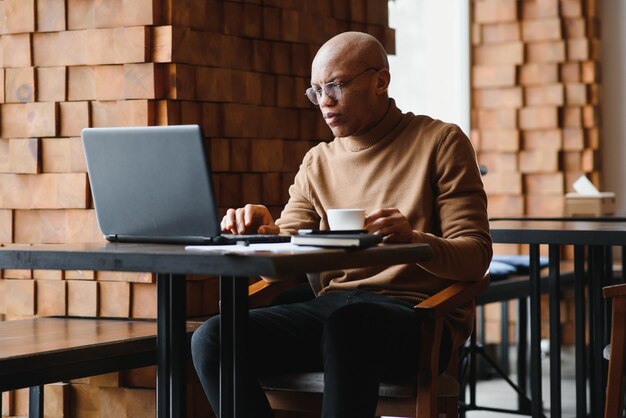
[
  {"x": 390, "y": 223},
  {"x": 251, "y": 219}
]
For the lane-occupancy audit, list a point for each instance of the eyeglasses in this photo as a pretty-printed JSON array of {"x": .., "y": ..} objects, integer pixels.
[{"x": 332, "y": 90}]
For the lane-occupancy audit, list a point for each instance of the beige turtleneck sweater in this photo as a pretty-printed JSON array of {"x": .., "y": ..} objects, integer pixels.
[{"x": 425, "y": 168}]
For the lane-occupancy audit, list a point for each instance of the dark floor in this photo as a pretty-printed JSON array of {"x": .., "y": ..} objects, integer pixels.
[{"x": 497, "y": 393}]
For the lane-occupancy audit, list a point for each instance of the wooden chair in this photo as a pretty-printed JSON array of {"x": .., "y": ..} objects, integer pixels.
[
  {"x": 614, "y": 406},
  {"x": 424, "y": 397}
]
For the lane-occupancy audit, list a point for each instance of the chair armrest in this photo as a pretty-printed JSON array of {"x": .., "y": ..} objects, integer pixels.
[
  {"x": 613, "y": 291},
  {"x": 460, "y": 293},
  {"x": 263, "y": 293},
  {"x": 434, "y": 309}
]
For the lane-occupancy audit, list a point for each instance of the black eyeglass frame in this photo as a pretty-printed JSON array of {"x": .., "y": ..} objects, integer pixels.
[{"x": 334, "y": 90}]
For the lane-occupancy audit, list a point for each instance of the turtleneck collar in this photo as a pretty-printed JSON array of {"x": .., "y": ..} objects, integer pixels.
[{"x": 362, "y": 142}]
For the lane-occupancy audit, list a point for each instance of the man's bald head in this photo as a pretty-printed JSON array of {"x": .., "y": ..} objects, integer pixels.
[
  {"x": 356, "y": 64},
  {"x": 353, "y": 50}
]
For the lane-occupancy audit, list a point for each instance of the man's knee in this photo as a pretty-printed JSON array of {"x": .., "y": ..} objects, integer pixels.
[
  {"x": 205, "y": 341},
  {"x": 365, "y": 326},
  {"x": 349, "y": 324}
]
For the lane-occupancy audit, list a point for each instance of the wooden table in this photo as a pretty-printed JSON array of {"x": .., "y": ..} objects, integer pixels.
[
  {"x": 171, "y": 263},
  {"x": 597, "y": 237}
]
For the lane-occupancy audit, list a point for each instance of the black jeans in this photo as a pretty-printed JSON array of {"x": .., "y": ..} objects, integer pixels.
[{"x": 357, "y": 338}]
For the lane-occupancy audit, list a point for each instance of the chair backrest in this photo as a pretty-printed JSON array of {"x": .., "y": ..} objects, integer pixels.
[{"x": 614, "y": 405}]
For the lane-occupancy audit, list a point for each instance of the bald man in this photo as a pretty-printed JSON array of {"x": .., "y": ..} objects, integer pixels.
[{"x": 418, "y": 180}]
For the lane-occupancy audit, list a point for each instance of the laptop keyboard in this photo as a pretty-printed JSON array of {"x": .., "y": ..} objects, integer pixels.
[{"x": 228, "y": 239}]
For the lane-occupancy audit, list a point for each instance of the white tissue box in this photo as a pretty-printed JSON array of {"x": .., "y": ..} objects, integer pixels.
[{"x": 602, "y": 204}]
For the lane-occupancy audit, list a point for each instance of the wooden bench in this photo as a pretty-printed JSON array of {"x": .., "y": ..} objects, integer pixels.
[{"x": 38, "y": 351}]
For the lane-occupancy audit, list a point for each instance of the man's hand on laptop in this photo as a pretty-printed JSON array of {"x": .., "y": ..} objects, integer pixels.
[{"x": 251, "y": 219}]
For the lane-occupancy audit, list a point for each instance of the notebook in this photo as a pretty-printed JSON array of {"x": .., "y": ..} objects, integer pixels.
[
  {"x": 337, "y": 240},
  {"x": 153, "y": 184}
]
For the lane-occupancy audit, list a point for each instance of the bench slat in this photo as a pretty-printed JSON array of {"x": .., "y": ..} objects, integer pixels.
[
  {"x": 39, "y": 336},
  {"x": 45, "y": 350}
]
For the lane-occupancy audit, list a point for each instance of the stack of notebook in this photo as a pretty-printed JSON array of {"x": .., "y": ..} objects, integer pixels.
[{"x": 356, "y": 239}]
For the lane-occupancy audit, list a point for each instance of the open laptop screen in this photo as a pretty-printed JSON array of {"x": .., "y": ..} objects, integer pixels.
[{"x": 151, "y": 184}]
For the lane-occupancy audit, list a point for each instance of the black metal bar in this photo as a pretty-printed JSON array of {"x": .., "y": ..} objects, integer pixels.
[
  {"x": 504, "y": 337},
  {"x": 580, "y": 325},
  {"x": 465, "y": 371},
  {"x": 605, "y": 323},
  {"x": 476, "y": 351},
  {"x": 555, "y": 331},
  {"x": 481, "y": 337},
  {"x": 240, "y": 316},
  {"x": 233, "y": 330},
  {"x": 163, "y": 354},
  {"x": 502, "y": 410},
  {"x": 561, "y": 218},
  {"x": 591, "y": 277},
  {"x": 463, "y": 358},
  {"x": 178, "y": 345},
  {"x": 608, "y": 264},
  {"x": 499, "y": 370},
  {"x": 623, "y": 262},
  {"x": 522, "y": 353},
  {"x": 595, "y": 330},
  {"x": 473, "y": 372},
  {"x": 535, "y": 332},
  {"x": 607, "y": 280},
  {"x": 35, "y": 402},
  {"x": 227, "y": 322}
]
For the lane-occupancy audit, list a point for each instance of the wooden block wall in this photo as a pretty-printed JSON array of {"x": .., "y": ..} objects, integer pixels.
[
  {"x": 238, "y": 68},
  {"x": 535, "y": 109},
  {"x": 535, "y": 115}
]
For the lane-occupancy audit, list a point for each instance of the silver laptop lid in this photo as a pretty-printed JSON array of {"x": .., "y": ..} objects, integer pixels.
[{"x": 151, "y": 184}]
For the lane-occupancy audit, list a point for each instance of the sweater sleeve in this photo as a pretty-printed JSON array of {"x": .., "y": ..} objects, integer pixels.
[
  {"x": 299, "y": 213},
  {"x": 461, "y": 244}
]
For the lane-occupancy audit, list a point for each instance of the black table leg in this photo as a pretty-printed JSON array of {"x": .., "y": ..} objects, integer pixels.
[
  {"x": 171, "y": 345},
  {"x": 607, "y": 280},
  {"x": 35, "y": 402},
  {"x": 504, "y": 335},
  {"x": 473, "y": 370},
  {"x": 522, "y": 350},
  {"x": 233, "y": 323},
  {"x": 535, "y": 333},
  {"x": 623, "y": 261},
  {"x": 555, "y": 331},
  {"x": 596, "y": 259},
  {"x": 580, "y": 324}
]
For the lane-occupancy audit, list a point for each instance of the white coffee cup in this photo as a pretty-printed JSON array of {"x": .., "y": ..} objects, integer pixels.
[{"x": 345, "y": 219}]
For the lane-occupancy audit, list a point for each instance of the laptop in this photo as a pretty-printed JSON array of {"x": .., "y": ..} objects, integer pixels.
[{"x": 153, "y": 184}]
